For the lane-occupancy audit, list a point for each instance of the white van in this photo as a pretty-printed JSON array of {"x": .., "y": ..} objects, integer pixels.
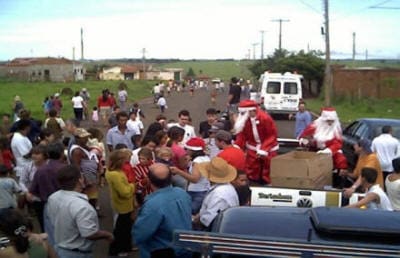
[{"x": 281, "y": 93}]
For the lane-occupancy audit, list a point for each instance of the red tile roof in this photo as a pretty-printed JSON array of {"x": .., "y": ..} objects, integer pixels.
[
  {"x": 129, "y": 69},
  {"x": 38, "y": 61}
]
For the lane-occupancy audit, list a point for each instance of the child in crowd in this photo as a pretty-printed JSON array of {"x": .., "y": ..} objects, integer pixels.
[
  {"x": 141, "y": 174},
  {"x": 164, "y": 155},
  {"x": 162, "y": 103},
  {"x": 95, "y": 115},
  {"x": 375, "y": 198},
  {"x": 6, "y": 157},
  {"x": 9, "y": 188}
]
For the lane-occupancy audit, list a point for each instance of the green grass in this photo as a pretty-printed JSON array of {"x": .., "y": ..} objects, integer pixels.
[
  {"x": 33, "y": 93},
  {"x": 348, "y": 111},
  {"x": 221, "y": 69}
]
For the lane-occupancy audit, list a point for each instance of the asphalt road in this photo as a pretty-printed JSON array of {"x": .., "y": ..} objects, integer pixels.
[{"x": 197, "y": 106}]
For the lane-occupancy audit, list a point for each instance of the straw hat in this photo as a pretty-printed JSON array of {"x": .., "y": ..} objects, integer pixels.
[
  {"x": 81, "y": 133},
  {"x": 217, "y": 170}
]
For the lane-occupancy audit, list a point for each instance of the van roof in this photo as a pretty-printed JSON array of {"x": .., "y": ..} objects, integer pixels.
[{"x": 280, "y": 75}]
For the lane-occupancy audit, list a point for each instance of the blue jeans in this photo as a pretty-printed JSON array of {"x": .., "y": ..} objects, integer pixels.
[
  {"x": 197, "y": 200},
  {"x": 64, "y": 253}
]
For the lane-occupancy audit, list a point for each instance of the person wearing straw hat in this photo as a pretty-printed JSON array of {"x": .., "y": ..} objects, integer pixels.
[{"x": 222, "y": 194}]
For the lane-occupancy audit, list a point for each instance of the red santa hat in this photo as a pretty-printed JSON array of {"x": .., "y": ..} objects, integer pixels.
[
  {"x": 329, "y": 113},
  {"x": 195, "y": 144},
  {"x": 247, "y": 105}
]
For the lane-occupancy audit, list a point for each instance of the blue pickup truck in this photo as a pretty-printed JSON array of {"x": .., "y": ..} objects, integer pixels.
[{"x": 297, "y": 232}]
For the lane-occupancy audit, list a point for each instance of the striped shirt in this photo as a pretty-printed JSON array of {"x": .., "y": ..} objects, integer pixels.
[{"x": 141, "y": 175}]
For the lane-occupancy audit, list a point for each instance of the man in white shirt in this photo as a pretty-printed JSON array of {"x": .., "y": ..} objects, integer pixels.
[
  {"x": 183, "y": 122},
  {"x": 134, "y": 124},
  {"x": 222, "y": 194},
  {"x": 21, "y": 146},
  {"x": 73, "y": 225},
  {"x": 386, "y": 148},
  {"x": 156, "y": 92}
]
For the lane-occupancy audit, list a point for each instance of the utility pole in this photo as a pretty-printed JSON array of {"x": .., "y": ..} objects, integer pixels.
[
  {"x": 366, "y": 54},
  {"x": 327, "y": 79},
  {"x": 249, "y": 54},
  {"x": 82, "y": 56},
  {"x": 73, "y": 53},
  {"x": 254, "y": 50},
  {"x": 144, "y": 62},
  {"x": 262, "y": 44},
  {"x": 354, "y": 46},
  {"x": 280, "y": 30}
]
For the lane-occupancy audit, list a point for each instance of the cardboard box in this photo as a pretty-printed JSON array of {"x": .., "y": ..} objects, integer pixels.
[{"x": 302, "y": 169}]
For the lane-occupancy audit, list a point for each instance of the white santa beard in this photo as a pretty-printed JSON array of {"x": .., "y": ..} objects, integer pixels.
[
  {"x": 325, "y": 132},
  {"x": 240, "y": 122}
]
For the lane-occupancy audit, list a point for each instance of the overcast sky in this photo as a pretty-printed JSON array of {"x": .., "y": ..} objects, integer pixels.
[{"x": 198, "y": 29}]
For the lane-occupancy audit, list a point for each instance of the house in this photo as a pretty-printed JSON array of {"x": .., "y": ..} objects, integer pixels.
[
  {"x": 136, "y": 72},
  {"x": 44, "y": 69},
  {"x": 165, "y": 74},
  {"x": 122, "y": 72}
]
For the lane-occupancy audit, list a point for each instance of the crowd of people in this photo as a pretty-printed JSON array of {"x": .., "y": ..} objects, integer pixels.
[{"x": 167, "y": 177}]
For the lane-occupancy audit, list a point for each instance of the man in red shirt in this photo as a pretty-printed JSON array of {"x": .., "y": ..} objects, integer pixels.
[{"x": 104, "y": 104}]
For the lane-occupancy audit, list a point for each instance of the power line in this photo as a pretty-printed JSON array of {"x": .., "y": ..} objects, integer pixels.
[
  {"x": 378, "y": 5},
  {"x": 311, "y": 7}
]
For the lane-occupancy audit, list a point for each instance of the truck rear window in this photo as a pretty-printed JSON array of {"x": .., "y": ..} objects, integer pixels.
[
  {"x": 274, "y": 87},
  {"x": 290, "y": 88}
]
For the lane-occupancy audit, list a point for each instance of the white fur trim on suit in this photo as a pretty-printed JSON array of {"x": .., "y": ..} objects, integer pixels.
[{"x": 245, "y": 109}]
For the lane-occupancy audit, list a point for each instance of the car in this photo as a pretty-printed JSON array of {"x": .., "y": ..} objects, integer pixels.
[
  {"x": 297, "y": 232},
  {"x": 365, "y": 128}
]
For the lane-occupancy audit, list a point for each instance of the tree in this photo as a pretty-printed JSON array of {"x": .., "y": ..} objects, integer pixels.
[
  {"x": 190, "y": 73},
  {"x": 310, "y": 65}
]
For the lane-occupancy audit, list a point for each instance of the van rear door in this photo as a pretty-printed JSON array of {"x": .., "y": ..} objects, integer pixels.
[{"x": 282, "y": 96}]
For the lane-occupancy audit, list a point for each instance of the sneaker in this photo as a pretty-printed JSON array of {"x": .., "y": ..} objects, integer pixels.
[{"x": 123, "y": 254}]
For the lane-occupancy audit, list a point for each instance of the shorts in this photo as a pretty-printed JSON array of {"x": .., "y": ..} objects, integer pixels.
[{"x": 105, "y": 111}]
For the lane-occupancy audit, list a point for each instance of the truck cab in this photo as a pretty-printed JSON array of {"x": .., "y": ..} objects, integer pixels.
[
  {"x": 296, "y": 232},
  {"x": 281, "y": 93}
]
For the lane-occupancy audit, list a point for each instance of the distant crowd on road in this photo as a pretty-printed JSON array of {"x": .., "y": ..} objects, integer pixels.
[{"x": 164, "y": 176}]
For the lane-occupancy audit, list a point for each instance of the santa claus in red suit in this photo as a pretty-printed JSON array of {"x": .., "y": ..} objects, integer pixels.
[
  {"x": 324, "y": 135},
  {"x": 256, "y": 134}
]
